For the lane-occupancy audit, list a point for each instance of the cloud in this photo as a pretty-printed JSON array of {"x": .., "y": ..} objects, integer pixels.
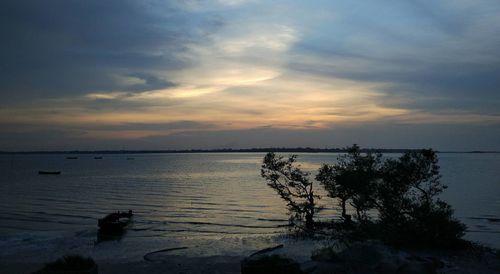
[
  {"x": 185, "y": 125},
  {"x": 424, "y": 56},
  {"x": 56, "y": 48},
  {"x": 145, "y": 71}
]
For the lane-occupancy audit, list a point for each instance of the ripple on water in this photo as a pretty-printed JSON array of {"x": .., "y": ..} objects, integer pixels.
[{"x": 199, "y": 195}]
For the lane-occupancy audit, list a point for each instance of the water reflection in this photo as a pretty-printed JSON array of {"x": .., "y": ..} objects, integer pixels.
[{"x": 195, "y": 195}]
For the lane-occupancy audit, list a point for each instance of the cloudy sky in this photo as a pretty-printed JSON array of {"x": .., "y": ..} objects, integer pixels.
[{"x": 150, "y": 74}]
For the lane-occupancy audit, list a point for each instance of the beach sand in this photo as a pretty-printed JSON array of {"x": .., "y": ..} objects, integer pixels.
[
  {"x": 463, "y": 261},
  {"x": 174, "y": 264}
]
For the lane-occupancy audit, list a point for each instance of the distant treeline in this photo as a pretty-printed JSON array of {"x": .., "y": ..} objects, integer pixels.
[{"x": 230, "y": 150}]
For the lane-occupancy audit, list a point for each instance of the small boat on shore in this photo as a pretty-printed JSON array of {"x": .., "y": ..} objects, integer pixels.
[
  {"x": 115, "y": 222},
  {"x": 42, "y": 172}
]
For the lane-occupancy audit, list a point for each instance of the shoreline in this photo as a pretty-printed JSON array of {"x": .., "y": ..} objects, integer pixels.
[{"x": 475, "y": 260}]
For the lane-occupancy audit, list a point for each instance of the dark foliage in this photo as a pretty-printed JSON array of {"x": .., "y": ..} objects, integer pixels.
[
  {"x": 325, "y": 254},
  {"x": 403, "y": 192},
  {"x": 274, "y": 264},
  {"x": 432, "y": 226},
  {"x": 293, "y": 186},
  {"x": 409, "y": 210},
  {"x": 69, "y": 263},
  {"x": 408, "y": 183},
  {"x": 352, "y": 178}
]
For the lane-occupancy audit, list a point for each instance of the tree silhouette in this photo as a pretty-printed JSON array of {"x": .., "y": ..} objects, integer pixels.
[
  {"x": 403, "y": 191},
  {"x": 353, "y": 178},
  {"x": 292, "y": 185},
  {"x": 408, "y": 206}
]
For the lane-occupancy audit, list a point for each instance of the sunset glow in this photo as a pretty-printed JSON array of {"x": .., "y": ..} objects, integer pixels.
[{"x": 210, "y": 66}]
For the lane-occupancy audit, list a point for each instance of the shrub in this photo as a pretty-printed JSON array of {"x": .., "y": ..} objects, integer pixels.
[
  {"x": 326, "y": 254},
  {"x": 431, "y": 226},
  {"x": 409, "y": 210},
  {"x": 403, "y": 191},
  {"x": 69, "y": 263},
  {"x": 273, "y": 264}
]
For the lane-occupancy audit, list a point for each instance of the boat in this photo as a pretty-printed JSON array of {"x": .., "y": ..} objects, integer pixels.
[
  {"x": 42, "y": 172},
  {"x": 98, "y": 158},
  {"x": 71, "y": 158},
  {"x": 115, "y": 222},
  {"x": 130, "y": 158}
]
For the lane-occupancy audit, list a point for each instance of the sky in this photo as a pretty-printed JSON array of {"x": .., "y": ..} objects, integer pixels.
[{"x": 194, "y": 74}]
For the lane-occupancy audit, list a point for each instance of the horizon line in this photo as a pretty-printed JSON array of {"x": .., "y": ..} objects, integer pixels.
[{"x": 233, "y": 150}]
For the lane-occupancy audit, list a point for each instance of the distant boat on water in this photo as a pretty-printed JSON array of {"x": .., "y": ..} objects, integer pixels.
[
  {"x": 130, "y": 158},
  {"x": 98, "y": 158},
  {"x": 42, "y": 172},
  {"x": 71, "y": 158}
]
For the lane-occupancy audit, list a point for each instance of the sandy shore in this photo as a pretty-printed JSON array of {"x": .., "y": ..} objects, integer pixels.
[
  {"x": 454, "y": 262},
  {"x": 172, "y": 264}
]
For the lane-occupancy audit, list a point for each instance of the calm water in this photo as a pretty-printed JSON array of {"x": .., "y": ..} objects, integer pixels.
[{"x": 184, "y": 197}]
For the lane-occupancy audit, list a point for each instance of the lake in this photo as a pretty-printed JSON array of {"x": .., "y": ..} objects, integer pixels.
[{"x": 182, "y": 199}]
